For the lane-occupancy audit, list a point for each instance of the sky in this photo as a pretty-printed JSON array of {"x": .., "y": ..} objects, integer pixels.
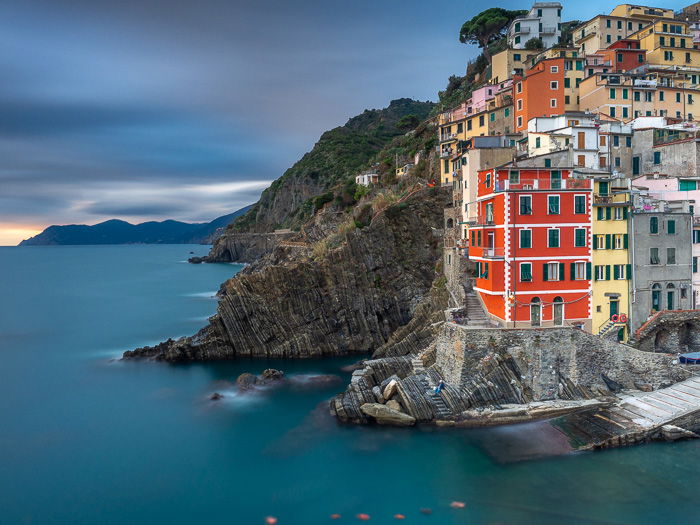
[{"x": 187, "y": 109}]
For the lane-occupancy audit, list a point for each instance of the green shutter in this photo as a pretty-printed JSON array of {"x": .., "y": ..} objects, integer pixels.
[
  {"x": 545, "y": 272},
  {"x": 561, "y": 272},
  {"x": 595, "y": 242},
  {"x": 608, "y": 241},
  {"x": 629, "y": 271},
  {"x": 588, "y": 271},
  {"x": 625, "y": 241},
  {"x": 572, "y": 269},
  {"x": 607, "y": 272},
  {"x": 616, "y": 272},
  {"x": 624, "y": 212},
  {"x": 608, "y": 213},
  {"x": 600, "y": 214}
]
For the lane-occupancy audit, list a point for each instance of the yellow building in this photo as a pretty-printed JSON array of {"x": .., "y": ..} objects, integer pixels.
[
  {"x": 668, "y": 43},
  {"x": 508, "y": 61},
  {"x": 612, "y": 269},
  {"x": 641, "y": 12},
  {"x": 601, "y": 31}
]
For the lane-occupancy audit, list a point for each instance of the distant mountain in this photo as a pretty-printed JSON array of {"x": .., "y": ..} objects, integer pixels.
[{"x": 121, "y": 232}]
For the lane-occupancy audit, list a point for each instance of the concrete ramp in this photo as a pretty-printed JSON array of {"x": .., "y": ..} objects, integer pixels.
[{"x": 668, "y": 413}]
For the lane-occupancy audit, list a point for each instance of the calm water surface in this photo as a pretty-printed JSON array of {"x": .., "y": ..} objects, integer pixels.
[{"x": 85, "y": 439}]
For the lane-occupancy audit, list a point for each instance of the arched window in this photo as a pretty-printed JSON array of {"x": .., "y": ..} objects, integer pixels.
[
  {"x": 670, "y": 296},
  {"x": 656, "y": 297},
  {"x": 450, "y": 223}
]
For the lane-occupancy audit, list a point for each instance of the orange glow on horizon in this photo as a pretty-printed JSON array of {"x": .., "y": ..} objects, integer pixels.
[{"x": 13, "y": 234}]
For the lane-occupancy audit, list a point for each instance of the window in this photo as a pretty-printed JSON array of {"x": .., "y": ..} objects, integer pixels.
[
  {"x": 580, "y": 204},
  {"x": 567, "y": 82},
  {"x": 492, "y": 117},
  {"x": 653, "y": 256},
  {"x": 478, "y": 238},
  {"x": 695, "y": 265},
  {"x": 487, "y": 180},
  {"x": 489, "y": 213},
  {"x": 469, "y": 125},
  {"x": 517, "y": 39},
  {"x": 553, "y": 238},
  {"x": 653, "y": 225},
  {"x": 625, "y": 112},
  {"x": 661, "y": 96},
  {"x": 506, "y": 112},
  {"x": 619, "y": 24},
  {"x": 625, "y": 95},
  {"x": 613, "y": 93},
  {"x": 520, "y": 120},
  {"x": 657, "y": 157},
  {"x": 603, "y": 140},
  {"x": 640, "y": 58},
  {"x": 538, "y": 142},
  {"x": 481, "y": 120},
  {"x": 446, "y": 166},
  {"x": 551, "y": 272},
  {"x": 547, "y": 163},
  {"x": 580, "y": 237},
  {"x": 526, "y": 238},
  {"x": 514, "y": 176},
  {"x": 670, "y": 256},
  {"x": 579, "y": 271},
  {"x": 526, "y": 205},
  {"x": 600, "y": 272},
  {"x": 617, "y": 162},
  {"x": 616, "y": 140},
  {"x": 620, "y": 241},
  {"x": 553, "y": 103},
  {"x": 628, "y": 142},
  {"x": 637, "y": 96},
  {"x": 618, "y": 272},
  {"x": 612, "y": 111},
  {"x": 620, "y": 214},
  {"x": 553, "y": 204},
  {"x": 526, "y": 272},
  {"x": 671, "y": 227},
  {"x": 516, "y": 57},
  {"x": 619, "y": 57},
  {"x": 678, "y": 98},
  {"x": 554, "y": 69},
  {"x": 608, "y": 23},
  {"x": 460, "y": 127},
  {"x": 519, "y": 87},
  {"x": 554, "y": 85},
  {"x": 687, "y": 185}
]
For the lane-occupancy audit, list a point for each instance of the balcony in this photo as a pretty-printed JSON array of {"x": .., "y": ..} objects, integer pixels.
[
  {"x": 696, "y": 221},
  {"x": 493, "y": 253},
  {"x": 549, "y": 30},
  {"x": 448, "y": 137},
  {"x": 542, "y": 184},
  {"x": 609, "y": 200},
  {"x": 481, "y": 220},
  {"x": 446, "y": 153}
]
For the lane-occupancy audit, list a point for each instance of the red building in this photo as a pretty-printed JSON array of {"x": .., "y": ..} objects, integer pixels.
[
  {"x": 624, "y": 55},
  {"x": 532, "y": 246}
]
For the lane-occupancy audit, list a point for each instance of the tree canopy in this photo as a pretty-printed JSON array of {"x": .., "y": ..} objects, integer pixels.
[
  {"x": 487, "y": 26},
  {"x": 534, "y": 44}
]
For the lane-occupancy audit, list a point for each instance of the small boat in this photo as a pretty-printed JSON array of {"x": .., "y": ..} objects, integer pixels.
[{"x": 691, "y": 358}]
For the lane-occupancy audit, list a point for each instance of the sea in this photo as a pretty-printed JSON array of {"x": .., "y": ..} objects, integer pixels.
[{"x": 86, "y": 438}]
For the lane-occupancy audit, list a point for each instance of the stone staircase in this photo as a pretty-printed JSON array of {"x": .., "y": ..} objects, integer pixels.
[
  {"x": 475, "y": 313},
  {"x": 429, "y": 380}
]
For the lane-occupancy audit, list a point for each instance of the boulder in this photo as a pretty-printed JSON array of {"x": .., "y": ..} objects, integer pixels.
[
  {"x": 644, "y": 387},
  {"x": 674, "y": 433},
  {"x": 246, "y": 381},
  {"x": 215, "y": 396},
  {"x": 387, "y": 416},
  {"x": 378, "y": 394},
  {"x": 390, "y": 389},
  {"x": 394, "y": 405},
  {"x": 271, "y": 374}
]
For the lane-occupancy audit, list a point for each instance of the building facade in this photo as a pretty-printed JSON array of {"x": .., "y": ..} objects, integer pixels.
[{"x": 543, "y": 21}]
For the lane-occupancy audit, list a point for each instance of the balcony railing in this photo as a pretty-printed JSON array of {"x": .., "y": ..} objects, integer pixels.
[
  {"x": 522, "y": 31},
  {"x": 448, "y": 137},
  {"x": 446, "y": 153},
  {"x": 481, "y": 220},
  {"x": 548, "y": 30},
  {"x": 493, "y": 253},
  {"x": 542, "y": 184}
]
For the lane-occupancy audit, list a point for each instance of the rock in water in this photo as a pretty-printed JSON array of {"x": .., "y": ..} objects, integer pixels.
[
  {"x": 246, "y": 381},
  {"x": 387, "y": 416},
  {"x": 272, "y": 375},
  {"x": 215, "y": 396},
  {"x": 394, "y": 405},
  {"x": 390, "y": 389}
]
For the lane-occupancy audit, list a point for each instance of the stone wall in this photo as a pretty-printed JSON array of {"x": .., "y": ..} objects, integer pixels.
[
  {"x": 675, "y": 331},
  {"x": 454, "y": 262},
  {"x": 549, "y": 360}
]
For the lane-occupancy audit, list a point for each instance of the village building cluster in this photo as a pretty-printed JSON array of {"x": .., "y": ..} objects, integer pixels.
[{"x": 575, "y": 174}]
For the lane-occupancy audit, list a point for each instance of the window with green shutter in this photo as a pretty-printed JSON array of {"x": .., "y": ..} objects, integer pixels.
[
  {"x": 671, "y": 227},
  {"x": 657, "y": 157},
  {"x": 653, "y": 225},
  {"x": 687, "y": 185},
  {"x": 553, "y": 238},
  {"x": 553, "y": 204},
  {"x": 579, "y": 204},
  {"x": 607, "y": 272},
  {"x": 629, "y": 271},
  {"x": 608, "y": 213},
  {"x": 603, "y": 188},
  {"x": 608, "y": 241},
  {"x": 580, "y": 237},
  {"x": 526, "y": 272},
  {"x": 526, "y": 238},
  {"x": 600, "y": 214}
]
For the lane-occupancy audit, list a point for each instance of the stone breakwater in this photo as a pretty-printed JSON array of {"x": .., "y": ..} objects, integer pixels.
[
  {"x": 348, "y": 294},
  {"x": 494, "y": 376}
]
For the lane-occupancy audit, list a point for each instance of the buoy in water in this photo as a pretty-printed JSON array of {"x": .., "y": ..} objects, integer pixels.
[
  {"x": 335, "y": 516},
  {"x": 426, "y": 511},
  {"x": 270, "y": 520},
  {"x": 363, "y": 517},
  {"x": 458, "y": 504},
  {"x": 399, "y": 517}
]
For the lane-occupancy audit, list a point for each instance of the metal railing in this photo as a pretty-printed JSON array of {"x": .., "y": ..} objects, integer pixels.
[
  {"x": 542, "y": 184},
  {"x": 493, "y": 253}
]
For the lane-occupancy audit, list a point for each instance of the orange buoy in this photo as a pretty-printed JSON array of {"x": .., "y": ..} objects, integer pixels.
[
  {"x": 458, "y": 504},
  {"x": 399, "y": 517},
  {"x": 335, "y": 516},
  {"x": 363, "y": 517},
  {"x": 270, "y": 520}
]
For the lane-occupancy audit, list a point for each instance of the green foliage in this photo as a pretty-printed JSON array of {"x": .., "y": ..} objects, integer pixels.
[
  {"x": 408, "y": 122},
  {"x": 534, "y": 44},
  {"x": 487, "y": 26},
  {"x": 392, "y": 212},
  {"x": 361, "y": 191},
  {"x": 567, "y": 32},
  {"x": 320, "y": 201}
]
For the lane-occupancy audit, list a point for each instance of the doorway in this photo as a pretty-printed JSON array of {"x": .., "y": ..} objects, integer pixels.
[
  {"x": 558, "y": 308},
  {"x": 535, "y": 312}
]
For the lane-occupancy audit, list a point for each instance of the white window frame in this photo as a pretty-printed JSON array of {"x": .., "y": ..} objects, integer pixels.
[
  {"x": 554, "y": 69},
  {"x": 520, "y": 122},
  {"x": 558, "y": 237},
  {"x": 599, "y": 269},
  {"x": 519, "y": 87},
  {"x": 520, "y": 198},
  {"x": 519, "y": 104},
  {"x": 557, "y": 197},
  {"x": 599, "y": 241},
  {"x": 618, "y": 213},
  {"x": 618, "y": 241},
  {"x": 552, "y": 102},
  {"x": 520, "y": 275},
  {"x": 552, "y": 274},
  {"x": 553, "y": 85},
  {"x": 580, "y": 275},
  {"x": 520, "y": 238},
  {"x": 585, "y": 203},
  {"x": 585, "y": 235},
  {"x": 621, "y": 268}
]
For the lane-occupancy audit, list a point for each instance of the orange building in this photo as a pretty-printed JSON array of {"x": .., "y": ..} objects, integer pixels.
[{"x": 550, "y": 87}]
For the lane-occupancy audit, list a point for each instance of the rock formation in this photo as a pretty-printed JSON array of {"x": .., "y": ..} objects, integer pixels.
[{"x": 347, "y": 293}]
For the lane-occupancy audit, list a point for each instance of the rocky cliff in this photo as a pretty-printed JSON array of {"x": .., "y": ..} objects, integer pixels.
[{"x": 348, "y": 292}]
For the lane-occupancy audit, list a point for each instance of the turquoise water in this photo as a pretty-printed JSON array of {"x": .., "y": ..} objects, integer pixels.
[{"x": 85, "y": 439}]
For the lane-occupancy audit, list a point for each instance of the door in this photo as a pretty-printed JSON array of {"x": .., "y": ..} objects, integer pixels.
[
  {"x": 656, "y": 299},
  {"x": 669, "y": 300},
  {"x": 558, "y": 312},
  {"x": 635, "y": 165},
  {"x": 555, "y": 179},
  {"x": 614, "y": 308},
  {"x": 490, "y": 240},
  {"x": 581, "y": 140},
  {"x": 535, "y": 312}
]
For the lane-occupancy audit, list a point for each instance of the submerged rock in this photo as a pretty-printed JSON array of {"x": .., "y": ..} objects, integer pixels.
[
  {"x": 216, "y": 396},
  {"x": 387, "y": 416},
  {"x": 246, "y": 381},
  {"x": 271, "y": 374}
]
